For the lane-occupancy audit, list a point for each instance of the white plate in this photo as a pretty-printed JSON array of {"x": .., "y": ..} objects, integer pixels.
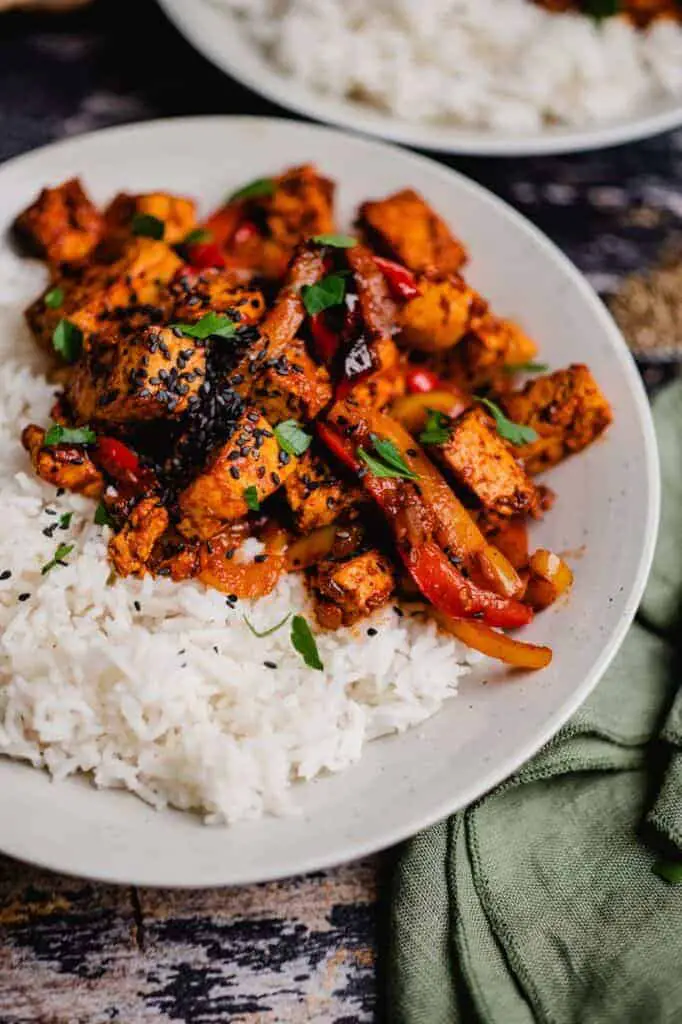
[
  {"x": 218, "y": 36},
  {"x": 608, "y": 500}
]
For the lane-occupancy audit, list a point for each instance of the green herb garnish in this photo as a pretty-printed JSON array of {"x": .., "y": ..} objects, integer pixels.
[
  {"x": 336, "y": 241},
  {"x": 435, "y": 429},
  {"x": 599, "y": 9},
  {"x": 292, "y": 438},
  {"x": 254, "y": 190},
  {"x": 67, "y": 340},
  {"x": 212, "y": 325},
  {"x": 251, "y": 498},
  {"x": 60, "y": 554},
  {"x": 529, "y": 367},
  {"x": 327, "y": 292},
  {"x": 670, "y": 871},
  {"x": 68, "y": 435},
  {"x": 197, "y": 235},
  {"x": 102, "y": 517},
  {"x": 515, "y": 433},
  {"x": 65, "y": 520},
  {"x": 387, "y": 462},
  {"x": 267, "y": 632},
  {"x": 303, "y": 641},
  {"x": 146, "y": 225},
  {"x": 54, "y": 298}
]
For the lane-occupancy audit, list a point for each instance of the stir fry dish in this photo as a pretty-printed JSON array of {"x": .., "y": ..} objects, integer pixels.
[
  {"x": 349, "y": 401},
  {"x": 640, "y": 12}
]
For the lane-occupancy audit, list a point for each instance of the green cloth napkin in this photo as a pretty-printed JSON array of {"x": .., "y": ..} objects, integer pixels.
[{"x": 539, "y": 903}]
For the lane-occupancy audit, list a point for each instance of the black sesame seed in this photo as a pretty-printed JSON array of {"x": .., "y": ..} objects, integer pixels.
[
  {"x": 23, "y": 597},
  {"x": 137, "y": 606},
  {"x": 234, "y": 472},
  {"x": 5, "y": 574},
  {"x": 260, "y": 559},
  {"x": 270, "y": 664},
  {"x": 50, "y": 512},
  {"x": 399, "y": 612},
  {"x": 372, "y": 631},
  {"x": 232, "y": 598}
]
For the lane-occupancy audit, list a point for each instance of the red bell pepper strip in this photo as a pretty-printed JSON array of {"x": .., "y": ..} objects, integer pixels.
[
  {"x": 123, "y": 465},
  {"x": 245, "y": 232},
  {"x": 419, "y": 381},
  {"x": 450, "y": 592},
  {"x": 438, "y": 579},
  {"x": 325, "y": 340},
  {"x": 401, "y": 281},
  {"x": 204, "y": 255}
]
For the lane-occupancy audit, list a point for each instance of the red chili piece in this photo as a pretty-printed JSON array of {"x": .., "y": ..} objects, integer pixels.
[
  {"x": 325, "y": 340},
  {"x": 245, "y": 232},
  {"x": 204, "y": 255},
  {"x": 400, "y": 280},
  {"x": 419, "y": 381}
]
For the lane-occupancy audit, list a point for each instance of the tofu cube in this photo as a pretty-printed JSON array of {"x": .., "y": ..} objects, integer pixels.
[
  {"x": 291, "y": 385},
  {"x": 62, "y": 225},
  {"x": 316, "y": 496},
  {"x": 441, "y": 315},
  {"x": 566, "y": 409},
  {"x": 251, "y": 457},
  {"x": 405, "y": 228},
  {"x": 197, "y": 292},
  {"x": 347, "y": 591},
  {"x": 177, "y": 213}
]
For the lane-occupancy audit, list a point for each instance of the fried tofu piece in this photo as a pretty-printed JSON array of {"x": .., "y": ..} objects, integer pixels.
[
  {"x": 566, "y": 409},
  {"x": 65, "y": 465},
  {"x": 99, "y": 298},
  {"x": 316, "y": 496},
  {"x": 441, "y": 314},
  {"x": 130, "y": 549},
  {"x": 405, "y": 228},
  {"x": 483, "y": 462},
  {"x": 262, "y": 233},
  {"x": 292, "y": 386},
  {"x": 347, "y": 591},
  {"x": 149, "y": 375},
  {"x": 62, "y": 225},
  {"x": 251, "y": 457},
  {"x": 177, "y": 213},
  {"x": 197, "y": 292},
  {"x": 479, "y": 359}
]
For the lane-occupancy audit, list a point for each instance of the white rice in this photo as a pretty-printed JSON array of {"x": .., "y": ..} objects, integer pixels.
[
  {"x": 507, "y": 65},
  {"x": 173, "y": 701}
]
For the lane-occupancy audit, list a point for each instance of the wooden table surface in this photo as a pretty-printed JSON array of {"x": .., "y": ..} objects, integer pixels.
[{"x": 304, "y": 951}]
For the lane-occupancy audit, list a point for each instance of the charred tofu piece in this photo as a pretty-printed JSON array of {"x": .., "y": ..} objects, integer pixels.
[
  {"x": 405, "y": 228},
  {"x": 131, "y": 548},
  {"x": 480, "y": 357},
  {"x": 316, "y": 496},
  {"x": 62, "y": 225},
  {"x": 149, "y": 375},
  {"x": 441, "y": 314},
  {"x": 197, "y": 292},
  {"x": 347, "y": 591},
  {"x": 251, "y": 457},
  {"x": 291, "y": 385},
  {"x": 261, "y": 233},
  {"x": 64, "y": 465},
  {"x": 177, "y": 214},
  {"x": 483, "y": 462},
  {"x": 98, "y": 298},
  {"x": 567, "y": 411}
]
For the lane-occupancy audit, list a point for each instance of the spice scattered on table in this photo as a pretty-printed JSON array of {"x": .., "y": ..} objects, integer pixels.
[{"x": 648, "y": 307}]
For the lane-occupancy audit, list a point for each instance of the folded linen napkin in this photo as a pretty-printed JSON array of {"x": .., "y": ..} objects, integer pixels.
[{"x": 540, "y": 903}]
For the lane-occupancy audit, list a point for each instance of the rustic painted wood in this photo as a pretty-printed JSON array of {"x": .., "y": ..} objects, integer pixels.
[{"x": 305, "y": 950}]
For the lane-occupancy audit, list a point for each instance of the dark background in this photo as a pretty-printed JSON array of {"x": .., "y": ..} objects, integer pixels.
[{"x": 305, "y": 950}]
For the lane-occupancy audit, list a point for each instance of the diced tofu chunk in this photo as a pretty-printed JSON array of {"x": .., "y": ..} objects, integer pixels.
[
  {"x": 177, "y": 213},
  {"x": 65, "y": 465},
  {"x": 441, "y": 315},
  {"x": 62, "y": 225},
  {"x": 316, "y": 496},
  {"x": 483, "y": 462},
  {"x": 197, "y": 292},
  {"x": 251, "y": 457},
  {"x": 149, "y": 375},
  {"x": 131, "y": 548},
  {"x": 262, "y": 233},
  {"x": 291, "y": 385},
  {"x": 404, "y": 227},
  {"x": 567, "y": 411},
  {"x": 481, "y": 356},
  {"x": 347, "y": 591}
]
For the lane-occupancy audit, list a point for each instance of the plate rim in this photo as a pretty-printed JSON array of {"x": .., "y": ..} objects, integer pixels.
[
  {"x": 288, "y": 94},
  {"x": 414, "y": 823}
]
